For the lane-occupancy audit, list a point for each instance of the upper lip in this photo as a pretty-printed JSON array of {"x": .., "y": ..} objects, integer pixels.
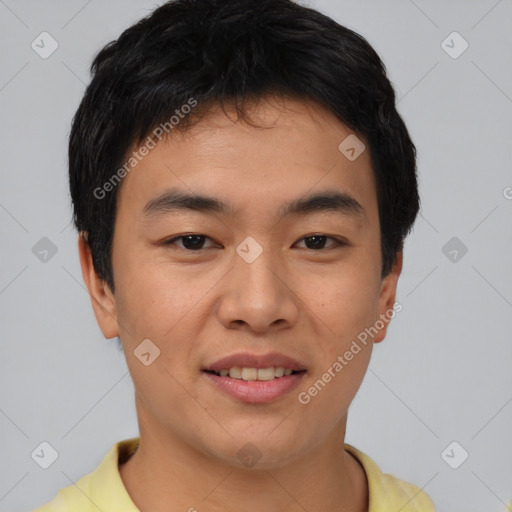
[{"x": 247, "y": 360}]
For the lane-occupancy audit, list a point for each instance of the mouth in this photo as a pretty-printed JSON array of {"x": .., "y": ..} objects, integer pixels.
[
  {"x": 255, "y": 379},
  {"x": 251, "y": 374}
]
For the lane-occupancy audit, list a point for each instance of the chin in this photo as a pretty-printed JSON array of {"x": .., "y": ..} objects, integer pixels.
[{"x": 262, "y": 450}]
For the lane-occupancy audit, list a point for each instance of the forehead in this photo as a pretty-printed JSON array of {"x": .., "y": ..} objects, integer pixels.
[{"x": 293, "y": 150}]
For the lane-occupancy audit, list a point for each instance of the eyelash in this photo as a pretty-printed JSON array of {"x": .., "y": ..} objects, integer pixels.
[{"x": 338, "y": 242}]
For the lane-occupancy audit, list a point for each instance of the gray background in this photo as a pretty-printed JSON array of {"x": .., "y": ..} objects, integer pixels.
[{"x": 443, "y": 374}]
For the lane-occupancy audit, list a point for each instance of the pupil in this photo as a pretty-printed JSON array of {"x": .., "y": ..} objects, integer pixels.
[
  {"x": 196, "y": 241},
  {"x": 187, "y": 239},
  {"x": 316, "y": 245}
]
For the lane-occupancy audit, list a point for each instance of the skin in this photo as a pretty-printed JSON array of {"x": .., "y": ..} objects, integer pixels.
[{"x": 199, "y": 306}]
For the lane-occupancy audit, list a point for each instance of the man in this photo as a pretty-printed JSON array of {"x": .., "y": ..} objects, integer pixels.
[{"x": 242, "y": 185}]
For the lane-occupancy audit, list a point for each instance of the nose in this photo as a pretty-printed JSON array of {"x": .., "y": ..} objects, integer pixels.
[{"x": 258, "y": 295}]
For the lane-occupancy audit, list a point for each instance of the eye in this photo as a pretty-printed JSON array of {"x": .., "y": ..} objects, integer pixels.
[
  {"x": 317, "y": 242},
  {"x": 192, "y": 242},
  {"x": 195, "y": 242}
]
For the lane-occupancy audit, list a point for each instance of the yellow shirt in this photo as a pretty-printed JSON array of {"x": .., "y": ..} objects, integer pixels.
[{"x": 103, "y": 489}]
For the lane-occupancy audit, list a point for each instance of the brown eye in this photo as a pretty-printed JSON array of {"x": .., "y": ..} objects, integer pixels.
[
  {"x": 189, "y": 242},
  {"x": 317, "y": 242}
]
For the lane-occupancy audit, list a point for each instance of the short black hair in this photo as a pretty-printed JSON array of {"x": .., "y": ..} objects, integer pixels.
[{"x": 203, "y": 53}]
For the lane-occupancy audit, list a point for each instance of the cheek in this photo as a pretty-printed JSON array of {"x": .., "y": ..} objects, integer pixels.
[
  {"x": 330, "y": 392},
  {"x": 346, "y": 306},
  {"x": 345, "y": 349},
  {"x": 152, "y": 298},
  {"x": 347, "y": 300},
  {"x": 158, "y": 303}
]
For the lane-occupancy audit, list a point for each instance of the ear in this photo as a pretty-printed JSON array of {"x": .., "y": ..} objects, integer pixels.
[
  {"x": 102, "y": 298},
  {"x": 387, "y": 297}
]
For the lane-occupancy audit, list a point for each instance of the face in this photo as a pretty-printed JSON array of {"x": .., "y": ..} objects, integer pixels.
[{"x": 278, "y": 271}]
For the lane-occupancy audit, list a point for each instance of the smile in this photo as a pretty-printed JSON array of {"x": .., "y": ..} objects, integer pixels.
[
  {"x": 255, "y": 373},
  {"x": 255, "y": 378}
]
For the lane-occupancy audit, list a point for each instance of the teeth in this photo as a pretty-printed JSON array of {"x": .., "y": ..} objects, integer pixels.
[
  {"x": 235, "y": 373},
  {"x": 249, "y": 374},
  {"x": 255, "y": 373},
  {"x": 266, "y": 373}
]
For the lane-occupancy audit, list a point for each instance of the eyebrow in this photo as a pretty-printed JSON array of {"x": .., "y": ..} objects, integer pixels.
[{"x": 175, "y": 200}]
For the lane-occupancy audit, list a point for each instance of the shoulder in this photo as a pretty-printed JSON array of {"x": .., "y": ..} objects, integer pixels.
[
  {"x": 388, "y": 493},
  {"x": 100, "y": 489},
  {"x": 73, "y": 497}
]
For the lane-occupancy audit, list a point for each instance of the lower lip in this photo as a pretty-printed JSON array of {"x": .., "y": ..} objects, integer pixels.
[{"x": 256, "y": 391}]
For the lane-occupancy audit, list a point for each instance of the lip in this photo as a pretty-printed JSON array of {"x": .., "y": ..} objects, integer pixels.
[
  {"x": 256, "y": 391},
  {"x": 248, "y": 360}
]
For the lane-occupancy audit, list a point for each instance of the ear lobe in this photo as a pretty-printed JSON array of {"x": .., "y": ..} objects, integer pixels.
[
  {"x": 102, "y": 299},
  {"x": 387, "y": 296}
]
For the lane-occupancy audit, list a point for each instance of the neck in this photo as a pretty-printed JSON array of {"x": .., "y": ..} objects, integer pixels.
[{"x": 167, "y": 474}]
